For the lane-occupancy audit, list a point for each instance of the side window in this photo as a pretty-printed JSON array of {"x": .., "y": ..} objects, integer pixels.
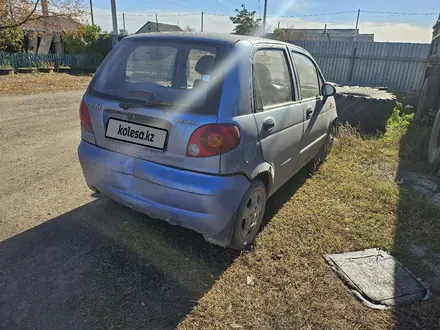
[
  {"x": 320, "y": 82},
  {"x": 194, "y": 72},
  {"x": 308, "y": 76},
  {"x": 271, "y": 78}
]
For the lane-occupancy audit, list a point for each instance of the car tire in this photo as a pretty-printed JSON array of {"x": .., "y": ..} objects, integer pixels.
[
  {"x": 427, "y": 97},
  {"x": 96, "y": 191},
  {"x": 249, "y": 216},
  {"x": 328, "y": 144},
  {"x": 364, "y": 107},
  {"x": 323, "y": 153},
  {"x": 434, "y": 143}
]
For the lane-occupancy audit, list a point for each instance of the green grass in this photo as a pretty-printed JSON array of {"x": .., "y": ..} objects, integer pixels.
[{"x": 352, "y": 202}]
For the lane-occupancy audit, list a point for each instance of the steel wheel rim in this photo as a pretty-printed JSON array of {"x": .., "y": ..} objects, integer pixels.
[
  {"x": 251, "y": 214},
  {"x": 329, "y": 142}
]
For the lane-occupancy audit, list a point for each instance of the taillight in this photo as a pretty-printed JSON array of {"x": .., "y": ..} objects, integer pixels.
[
  {"x": 212, "y": 140},
  {"x": 85, "y": 116}
]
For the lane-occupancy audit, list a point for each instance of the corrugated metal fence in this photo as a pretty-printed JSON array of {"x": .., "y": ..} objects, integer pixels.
[
  {"x": 398, "y": 66},
  {"x": 80, "y": 62}
]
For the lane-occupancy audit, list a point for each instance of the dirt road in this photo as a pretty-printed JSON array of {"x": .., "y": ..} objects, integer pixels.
[{"x": 73, "y": 260}]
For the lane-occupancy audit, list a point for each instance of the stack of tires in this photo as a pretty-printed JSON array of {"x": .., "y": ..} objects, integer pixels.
[
  {"x": 429, "y": 103},
  {"x": 434, "y": 144},
  {"x": 364, "y": 107}
]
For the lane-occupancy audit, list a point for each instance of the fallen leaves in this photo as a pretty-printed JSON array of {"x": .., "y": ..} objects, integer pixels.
[{"x": 25, "y": 84}]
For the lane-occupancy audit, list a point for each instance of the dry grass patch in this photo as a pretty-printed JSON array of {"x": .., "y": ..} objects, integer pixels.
[
  {"x": 24, "y": 84},
  {"x": 345, "y": 206}
]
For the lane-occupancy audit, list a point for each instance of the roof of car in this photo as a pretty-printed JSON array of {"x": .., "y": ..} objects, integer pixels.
[{"x": 225, "y": 38}]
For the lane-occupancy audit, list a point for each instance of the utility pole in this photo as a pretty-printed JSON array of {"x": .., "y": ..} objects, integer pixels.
[
  {"x": 201, "y": 24},
  {"x": 115, "y": 23},
  {"x": 264, "y": 16},
  {"x": 157, "y": 24},
  {"x": 357, "y": 20},
  {"x": 278, "y": 25},
  {"x": 123, "y": 21},
  {"x": 91, "y": 12}
]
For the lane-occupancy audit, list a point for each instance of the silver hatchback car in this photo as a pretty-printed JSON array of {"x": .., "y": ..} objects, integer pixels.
[{"x": 199, "y": 130}]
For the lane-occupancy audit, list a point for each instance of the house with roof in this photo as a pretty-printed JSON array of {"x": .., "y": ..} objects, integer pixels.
[
  {"x": 44, "y": 35},
  {"x": 158, "y": 27}
]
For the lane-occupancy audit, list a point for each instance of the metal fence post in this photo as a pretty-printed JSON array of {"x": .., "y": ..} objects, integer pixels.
[{"x": 352, "y": 64}]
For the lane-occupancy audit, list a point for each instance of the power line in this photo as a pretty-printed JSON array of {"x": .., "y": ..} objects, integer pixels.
[
  {"x": 372, "y": 25},
  {"x": 324, "y": 14},
  {"x": 400, "y": 13},
  {"x": 307, "y": 15},
  {"x": 188, "y": 14},
  {"x": 214, "y": 21},
  {"x": 151, "y": 14},
  {"x": 383, "y": 13}
]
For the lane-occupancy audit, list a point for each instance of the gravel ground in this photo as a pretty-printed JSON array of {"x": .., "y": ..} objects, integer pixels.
[{"x": 73, "y": 260}]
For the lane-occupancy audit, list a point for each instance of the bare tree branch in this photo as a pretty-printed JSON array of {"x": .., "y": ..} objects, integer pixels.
[{"x": 26, "y": 19}]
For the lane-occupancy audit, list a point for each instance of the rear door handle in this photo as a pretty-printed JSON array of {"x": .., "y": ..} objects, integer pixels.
[
  {"x": 309, "y": 113},
  {"x": 268, "y": 124}
]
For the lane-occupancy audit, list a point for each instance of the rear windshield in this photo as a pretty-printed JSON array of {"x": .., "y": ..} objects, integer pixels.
[{"x": 163, "y": 73}]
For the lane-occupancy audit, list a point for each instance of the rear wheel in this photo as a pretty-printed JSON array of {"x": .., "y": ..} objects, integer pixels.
[
  {"x": 328, "y": 144},
  {"x": 427, "y": 97},
  {"x": 434, "y": 143},
  {"x": 249, "y": 216},
  {"x": 96, "y": 191},
  {"x": 324, "y": 151}
]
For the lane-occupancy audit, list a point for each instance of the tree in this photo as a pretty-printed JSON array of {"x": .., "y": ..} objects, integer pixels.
[
  {"x": 188, "y": 29},
  {"x": 92, "y": 32},
  {"x": 15, "y": 13},
  {"x": 88, "y": 39},
  {"x": 12, "y": 37},
  {"x": 123, "y": 32},
  {"x": 289, "y": 34},
  {"x": 280, "y": 35},
  {"x": 245, "y": 21}
]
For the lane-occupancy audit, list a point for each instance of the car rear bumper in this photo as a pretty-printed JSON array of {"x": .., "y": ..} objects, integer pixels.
[{"x": 204, "y": 203}]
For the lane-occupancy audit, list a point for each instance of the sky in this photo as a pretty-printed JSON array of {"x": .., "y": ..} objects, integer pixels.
[{"x": 389, "y": 20}]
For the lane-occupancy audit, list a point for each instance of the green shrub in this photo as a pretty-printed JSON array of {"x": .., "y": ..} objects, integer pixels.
[
  {"x": 90, "y": 39},
  {"x": 399, "y": 122},
  {"x": 5, "y": 64},
  {"x": 12, "y": 37},
  {"x": 413, "y": 135},
  {"x": 46, "y": 64}
]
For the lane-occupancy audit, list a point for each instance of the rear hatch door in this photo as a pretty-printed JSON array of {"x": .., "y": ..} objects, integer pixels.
[{"x": 149, "y": 96}]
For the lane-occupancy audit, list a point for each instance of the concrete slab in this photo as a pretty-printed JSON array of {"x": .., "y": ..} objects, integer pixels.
[
  {"x": 45, "y": 43},
  {"x": 377, "y": 278}
]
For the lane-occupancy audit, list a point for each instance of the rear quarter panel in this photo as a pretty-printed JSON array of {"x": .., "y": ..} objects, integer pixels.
[{"x": 236, "y": 108}]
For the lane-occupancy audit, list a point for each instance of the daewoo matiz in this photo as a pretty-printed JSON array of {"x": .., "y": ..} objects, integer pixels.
[{"x": 199, "y": 130}]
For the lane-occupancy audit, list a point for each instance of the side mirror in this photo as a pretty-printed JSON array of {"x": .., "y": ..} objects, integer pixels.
[{"x": 328, "y": 90}]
